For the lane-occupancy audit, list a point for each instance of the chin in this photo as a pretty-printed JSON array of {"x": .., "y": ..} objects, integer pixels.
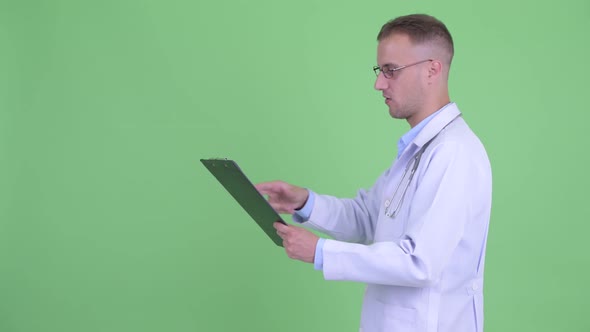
[{"x": 396, "y": 115}]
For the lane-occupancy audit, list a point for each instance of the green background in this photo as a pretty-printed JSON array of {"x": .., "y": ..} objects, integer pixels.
[{"x": 108, "y": 221}]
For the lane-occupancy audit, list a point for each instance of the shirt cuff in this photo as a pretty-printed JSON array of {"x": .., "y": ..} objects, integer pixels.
[
  {"x": 302, "y": 215},
  {"x": 318, "y": 262}
]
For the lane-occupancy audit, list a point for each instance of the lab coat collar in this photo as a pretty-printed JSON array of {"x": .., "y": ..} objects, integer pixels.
[{"x": 447, "y": 114}]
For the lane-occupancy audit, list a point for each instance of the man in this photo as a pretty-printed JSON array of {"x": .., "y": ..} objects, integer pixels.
[{"x": 417, "y": 238}]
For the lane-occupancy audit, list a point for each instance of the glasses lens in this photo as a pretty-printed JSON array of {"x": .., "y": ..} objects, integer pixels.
[
  {"x": 387, "y": 72},
  {"x": 376, "y": 69}
]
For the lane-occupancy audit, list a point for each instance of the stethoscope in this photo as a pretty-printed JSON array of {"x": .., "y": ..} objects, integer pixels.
[{"x": 407, "y": 177}]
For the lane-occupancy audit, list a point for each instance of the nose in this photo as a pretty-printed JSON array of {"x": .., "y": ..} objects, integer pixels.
[{"x": 381, "y": 82}]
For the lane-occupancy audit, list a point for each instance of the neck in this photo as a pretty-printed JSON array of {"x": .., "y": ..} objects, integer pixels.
[{"x": 429, "y": 107}]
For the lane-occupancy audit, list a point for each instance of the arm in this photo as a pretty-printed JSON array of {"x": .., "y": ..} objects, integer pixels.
[
  {"x": 343, "y": 219},
  {"x": 348, "y": 219},
  {"x": 302, "y": 244}
]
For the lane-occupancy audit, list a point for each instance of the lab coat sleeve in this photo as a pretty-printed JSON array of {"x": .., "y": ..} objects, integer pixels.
[
  {"x": 445, "y": 194},
  {"x": 348, "y": 219}
]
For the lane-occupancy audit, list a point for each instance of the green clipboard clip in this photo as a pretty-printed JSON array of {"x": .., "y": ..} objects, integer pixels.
[{"x": 231, "y": 177}]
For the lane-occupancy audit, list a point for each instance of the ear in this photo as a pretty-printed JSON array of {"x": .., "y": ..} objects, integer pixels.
[{"x": 435, "y": 69}]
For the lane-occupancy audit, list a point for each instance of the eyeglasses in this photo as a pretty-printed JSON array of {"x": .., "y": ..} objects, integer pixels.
[{"x": 388, "y": 70}]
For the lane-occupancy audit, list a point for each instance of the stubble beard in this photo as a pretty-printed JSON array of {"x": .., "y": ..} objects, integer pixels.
[
  {"x": 412, "y": 105},
  {"x": 401, "y": 112}
]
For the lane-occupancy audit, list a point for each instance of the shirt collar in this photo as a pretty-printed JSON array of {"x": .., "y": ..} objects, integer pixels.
[{"x": 408, "y": 137}]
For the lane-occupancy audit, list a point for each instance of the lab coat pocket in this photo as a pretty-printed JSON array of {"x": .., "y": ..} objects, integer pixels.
[{"x": 399, "y": 318}]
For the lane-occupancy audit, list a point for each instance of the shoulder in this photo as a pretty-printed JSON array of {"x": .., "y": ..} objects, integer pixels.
[{"x": 457, "y": 142}]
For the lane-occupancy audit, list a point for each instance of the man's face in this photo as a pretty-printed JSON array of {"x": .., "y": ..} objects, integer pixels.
[{"x": 403, "y": 92}]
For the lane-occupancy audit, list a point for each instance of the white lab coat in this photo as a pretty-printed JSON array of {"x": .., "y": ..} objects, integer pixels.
[{"x": 424, "y": 267}]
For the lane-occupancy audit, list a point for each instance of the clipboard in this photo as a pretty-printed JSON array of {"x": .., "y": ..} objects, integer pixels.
[{"x": 229, "y": 174}]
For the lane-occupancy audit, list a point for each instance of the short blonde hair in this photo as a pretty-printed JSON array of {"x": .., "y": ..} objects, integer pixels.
[{"x": 421, "y": 29}]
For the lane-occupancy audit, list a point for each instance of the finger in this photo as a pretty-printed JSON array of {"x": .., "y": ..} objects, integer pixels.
[
  {"x": 280, "y": 227},
  {"x": 266, "y": 188}
]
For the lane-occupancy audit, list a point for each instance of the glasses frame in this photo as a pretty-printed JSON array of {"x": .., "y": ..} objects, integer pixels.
[{"x": 390, "y": 71}]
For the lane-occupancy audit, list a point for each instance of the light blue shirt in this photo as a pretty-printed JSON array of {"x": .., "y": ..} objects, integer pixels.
[{"x": 304, "y": 213}]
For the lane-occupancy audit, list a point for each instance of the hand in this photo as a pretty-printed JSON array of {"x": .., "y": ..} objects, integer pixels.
[
  {"x": 283, "y": 197},
  {"x": 299, "y": 243}
]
